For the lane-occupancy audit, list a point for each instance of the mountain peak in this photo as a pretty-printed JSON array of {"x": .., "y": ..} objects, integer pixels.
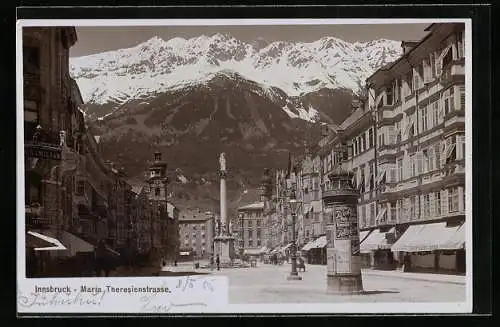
[{"x": 294, "y": 67}]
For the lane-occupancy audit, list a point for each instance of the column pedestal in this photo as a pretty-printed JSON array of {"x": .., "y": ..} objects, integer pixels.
[
  {"x": 344, "y": 284},
  {"x": 224, "y": 247}
]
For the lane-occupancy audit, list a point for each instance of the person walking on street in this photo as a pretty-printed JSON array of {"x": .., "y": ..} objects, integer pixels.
[{"x": 218, "y": 262}]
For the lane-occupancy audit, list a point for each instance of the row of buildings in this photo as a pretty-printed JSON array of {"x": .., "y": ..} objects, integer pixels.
[
  {"x": 405, "y": 144},
  {"x": 73, "y": 197}
]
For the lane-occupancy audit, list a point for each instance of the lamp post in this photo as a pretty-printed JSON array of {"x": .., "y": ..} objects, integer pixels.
[
  {"x": 242, "y": 240},
  {"x": 294, "y": 275}
]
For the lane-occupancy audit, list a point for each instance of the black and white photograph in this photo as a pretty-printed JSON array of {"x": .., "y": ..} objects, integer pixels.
[{"x": 312, "y": 162}]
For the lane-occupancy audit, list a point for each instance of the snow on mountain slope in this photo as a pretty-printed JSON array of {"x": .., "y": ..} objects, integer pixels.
[{"x": 294, "y": 67}]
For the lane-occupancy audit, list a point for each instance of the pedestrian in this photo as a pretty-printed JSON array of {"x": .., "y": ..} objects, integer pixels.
[
  {"x": 212, "y": 262},
  {"x": 218, "y": 262}
]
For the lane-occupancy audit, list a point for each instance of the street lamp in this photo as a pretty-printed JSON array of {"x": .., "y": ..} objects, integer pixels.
[
  {"x": 294, "y": 275},
  {"x": 242, "y": 240}
]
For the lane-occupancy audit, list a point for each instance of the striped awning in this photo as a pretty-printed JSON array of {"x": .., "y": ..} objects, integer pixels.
[
  {"x": 308, "y": 246},
  {"x": 376, "y": 240},
  {"x": 320, "y": 242},
  {"x": 430, "y": 237},
  {"x": 55, "y": 244}
]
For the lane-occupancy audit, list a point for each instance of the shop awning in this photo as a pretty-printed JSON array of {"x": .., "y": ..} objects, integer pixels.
[
  {"x": 264, "y": 249},
  {"x": 286, "y": 247},
  {"x": 363, "y": 235},
  {"x": 319, "y": 243},
  {"x": 308, "y": 246},
  {"x": 430, "y": 237},
  {"x": 110, "y": 250},
  {"x": 36, "y": 242},
  {"x": 376, "y": 240},
  {"x": 252, "y": 251},
  {"x": 457, "y": 241},
  {"x": 75, "y": 244},
  {"x": 55, "y": 244}
]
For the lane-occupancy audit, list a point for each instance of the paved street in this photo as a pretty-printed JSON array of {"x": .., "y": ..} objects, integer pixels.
[{"x": 268, "y": 284}]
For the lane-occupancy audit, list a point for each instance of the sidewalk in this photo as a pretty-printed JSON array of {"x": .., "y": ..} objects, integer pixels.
[{"x": 438, "y": 278}]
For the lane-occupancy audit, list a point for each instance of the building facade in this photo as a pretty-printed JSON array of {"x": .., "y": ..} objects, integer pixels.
[
  {"x": 420, "y": 106},
  {"x": 252, "y": 232},
  {"x": 72, "y": 195},
  {"x": 196, "y": 234},
  {"x": 404, "y": 141}
]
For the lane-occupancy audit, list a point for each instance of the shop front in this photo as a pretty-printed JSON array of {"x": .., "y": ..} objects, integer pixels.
[
  {"x": 435, "y": 247},
  {"x": 376, "y": 247}
]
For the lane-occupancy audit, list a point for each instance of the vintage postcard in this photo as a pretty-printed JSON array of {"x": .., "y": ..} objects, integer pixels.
[{"x": 244, "y": 166}]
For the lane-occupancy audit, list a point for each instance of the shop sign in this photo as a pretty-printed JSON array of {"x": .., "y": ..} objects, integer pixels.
[{"x": 43, "y": 152}]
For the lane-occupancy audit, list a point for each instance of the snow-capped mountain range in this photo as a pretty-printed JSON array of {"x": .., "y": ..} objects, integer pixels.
[{"x": 296, "y": 68}]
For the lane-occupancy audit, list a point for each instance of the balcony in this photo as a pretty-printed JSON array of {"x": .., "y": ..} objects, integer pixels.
[
  {"x": 42, "y": 144},
  {"x": 35, "y": 218}
]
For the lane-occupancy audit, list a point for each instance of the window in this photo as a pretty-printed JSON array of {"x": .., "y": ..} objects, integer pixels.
[
  {"x": 389, "y": 95},
  {"x": 361, "y": 216},
  {"x": 412, "y": 208},
  {"x": 250, "y": 242},
  {"x": 393, "y": 212},
  {"x": 460, "y": 147},
  {"x": 448, "y": 103},
  {"x": 80, "y": 187},
  {"x": 437, "y": 203},
  {"x": 372, "y": 214},
  {"x": 362, "y": 180},
  {"x": 453, "y": 199},
  {"x": 437, "y": 156},
  {"x": 258, "y": 233},
  {"x": 258, "y": 223},
  {"x": 451, "y": 149},
  {"x": 399, "y": 209},
  {"x": 400, "y": 169},
  {"x": 409, "y": 81},
  {"x": 423, "y": 118},
  {"x": 33, "y": 188},
  {"x": 462, "y": 97},
  {"x": 370, "y": 137},
  {"x": 427, "y": 208},
  {"x": 461, "y": 44},
  {"x": 258, "y": 242},
  {"x": 427, "y": 160},
  {"x": 157, "y": 191},
  {"x": 363, "y": 140}
]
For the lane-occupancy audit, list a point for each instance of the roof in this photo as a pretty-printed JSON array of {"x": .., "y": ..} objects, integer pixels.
[
  {"x": 357, "y": 114},
  {"x": 253, "y": 206}
]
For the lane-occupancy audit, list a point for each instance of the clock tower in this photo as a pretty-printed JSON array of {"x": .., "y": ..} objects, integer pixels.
[{"x": 157, "y": 183}]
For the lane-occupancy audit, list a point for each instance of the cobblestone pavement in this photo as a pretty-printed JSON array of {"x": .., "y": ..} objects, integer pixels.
[{"x": 268, "y": 284}]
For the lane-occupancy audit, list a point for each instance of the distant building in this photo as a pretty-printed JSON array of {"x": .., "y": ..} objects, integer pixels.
[
  {"x": 196, "y": 234},
  {"x": 252, "y": 232}
]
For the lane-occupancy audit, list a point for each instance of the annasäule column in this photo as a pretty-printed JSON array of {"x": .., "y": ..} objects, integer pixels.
[
  {"x": 224, "y": 241},
  {"x": 343, "y": 258}
]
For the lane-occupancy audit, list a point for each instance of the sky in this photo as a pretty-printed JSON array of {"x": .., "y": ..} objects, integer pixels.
[{"x": 99, "y": 39}]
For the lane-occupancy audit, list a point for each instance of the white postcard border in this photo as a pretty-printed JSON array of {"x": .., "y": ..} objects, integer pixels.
[{"x": 357, "y": 307}]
